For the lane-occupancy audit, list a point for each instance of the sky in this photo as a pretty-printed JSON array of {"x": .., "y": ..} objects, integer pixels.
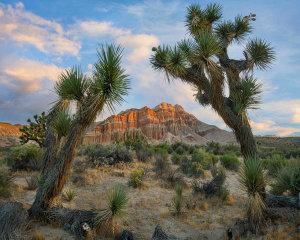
[{"x": 39, "y": 39}]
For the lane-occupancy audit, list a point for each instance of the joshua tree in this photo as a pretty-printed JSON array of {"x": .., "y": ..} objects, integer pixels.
[
  {"x": 203, "y": 62},
  {"x": 105, "y": 88},
  {"x": 35, "y": 131}
]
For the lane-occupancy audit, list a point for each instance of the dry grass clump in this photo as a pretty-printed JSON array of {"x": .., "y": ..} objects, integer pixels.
[
  {"x": 136, "y": 177},
  {"x": 33, "y": 183},
  {"x": 38, "y": 236}
]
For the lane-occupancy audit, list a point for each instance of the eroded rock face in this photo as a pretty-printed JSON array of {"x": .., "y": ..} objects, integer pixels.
[
  {"x": 9, "y": 134},
  {"x": 163, "y": 123}
]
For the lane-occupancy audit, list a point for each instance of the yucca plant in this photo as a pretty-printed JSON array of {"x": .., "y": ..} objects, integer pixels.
[
  {"x": 177, "y": 200},
  {"x": 106, "y": 88},
  {"x": 62, "y": 123},
  {"x": 253, "y": 181},
  {"x": 116, "y": 207},
  {"x": 203, "y": 61},
  {"x": 69, "y": 195},
  {"x": 288, "y": 179}
]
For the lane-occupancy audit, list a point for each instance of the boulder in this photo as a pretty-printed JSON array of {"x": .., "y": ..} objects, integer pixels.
[
  {"x": 159, "y": 234},
  {"x": 124, "y": 235},
  {"x": 14, "y": 219}
]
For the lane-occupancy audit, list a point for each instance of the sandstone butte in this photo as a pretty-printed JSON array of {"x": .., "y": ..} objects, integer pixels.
[{"x": 163, "y": 123}]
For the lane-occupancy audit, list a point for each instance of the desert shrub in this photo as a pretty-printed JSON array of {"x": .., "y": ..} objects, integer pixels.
[
  {"x": 25, "y": 157},
  {"x": 202, "y": 157},
  {"x": 252, "y": 179},
  {"x": 136, "y": 177},
  {"x": 96, "y": 151},
  {"x": 177, "y": 200},
  {"x": 116, "y": 207},
  {"x": 213, "y": 159},
  {"x": 144, "y": 154},
  {"x": 69, "y": 195},
  {"x": 230, "y": 161},
  {"x": 161, "y": 164},
  {"x": 135, "y": 142},
  {"x": 214, "y": 187},
  {"x": 213, "y": 147},
  {"x": 4, "y": 182},
  {"x": 32, "y": 183},
  {"x": 230, "y": 148},
  {"x": 111, "y": 155},
  {"x": 288, "y": 179},
  {"x": 224, "y": 194},
  {"x": 197, "y": 169},
  {"x": 174, "y": 177},
  {"x": 274, "y": 164},
  {"x": 176, "y": 158},
  {"x": 121, "y": 154},
  {"x": 170, "y": 149},
  {"x": 180, "y": 150}
]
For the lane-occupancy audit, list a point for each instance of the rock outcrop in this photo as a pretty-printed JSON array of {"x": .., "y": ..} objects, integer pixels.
[
  {"x": 163, "y": 123},
  {"x": 9, "y": 134}
]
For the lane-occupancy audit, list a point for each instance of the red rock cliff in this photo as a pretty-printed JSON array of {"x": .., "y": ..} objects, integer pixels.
[{"x": 163, "y": 123}]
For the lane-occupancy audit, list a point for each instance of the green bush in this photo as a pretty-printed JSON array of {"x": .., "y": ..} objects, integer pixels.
[
  {"x": 230, "y": 161},
  {"x": 197, "y": 169},
  {"x": 136, "y": 177},
  {"x": 287, "y": 179},
  {"x": 202, "y": 157},
  {"x": 274, "y": 164},
  {"x": 213, "y": 147},
  {"x": 4, "y": 183},
  {"x": 111, "y": 154},
  {"x": 176, "y": 158},
  {"x": 25, "y": 157},
  {"x": 144, "y": 154},
  {"x": 180, "y": 150},
  {"x": 161, "y": 164}
]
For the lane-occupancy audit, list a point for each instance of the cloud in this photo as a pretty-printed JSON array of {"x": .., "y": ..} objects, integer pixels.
[
  {"x": 270, "y": 126},
  {"x": 139, "y": 45},
  {"x": 24, "y": 27},
  {"x": 288, "y": 109},
  {"x": 25, "y": 76},
  {"x": 95, "y": 28}
]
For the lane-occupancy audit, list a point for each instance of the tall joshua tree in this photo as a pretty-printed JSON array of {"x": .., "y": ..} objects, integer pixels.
[
  {"x": 106, "y": 88},
  {"x": 203, "y": 61}
]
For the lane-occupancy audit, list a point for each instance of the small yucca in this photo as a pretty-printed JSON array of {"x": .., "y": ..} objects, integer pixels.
[
  {"x": 69, "y": 195},
  {"x": 116, "y": 208},
  {"x": 177, "y": 200},
  {"x": 252, "y": 178}
]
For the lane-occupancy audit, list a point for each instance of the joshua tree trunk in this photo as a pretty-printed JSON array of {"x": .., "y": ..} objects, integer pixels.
[
  {"x": 242, "y": 131},
  {"x": 54, "y": 176}
]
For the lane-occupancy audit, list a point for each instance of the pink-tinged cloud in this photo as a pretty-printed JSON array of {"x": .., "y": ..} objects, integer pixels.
[
  {"x": 23, "y": 27},
  {"x": 270, "y": 126},
  {"x": 26, "y": 76}
]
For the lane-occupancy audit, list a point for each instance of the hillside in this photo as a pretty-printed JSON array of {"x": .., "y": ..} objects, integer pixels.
[{"x": 163, "y": 123}]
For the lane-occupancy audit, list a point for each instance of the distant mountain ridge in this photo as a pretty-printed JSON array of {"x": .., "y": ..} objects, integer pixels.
[{"x": 163, "y": 123}]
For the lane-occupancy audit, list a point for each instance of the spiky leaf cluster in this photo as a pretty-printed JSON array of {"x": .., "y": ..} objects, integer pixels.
[
  {"x": 35, "y": 131},
  {"x": 203, "y": 61}
]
